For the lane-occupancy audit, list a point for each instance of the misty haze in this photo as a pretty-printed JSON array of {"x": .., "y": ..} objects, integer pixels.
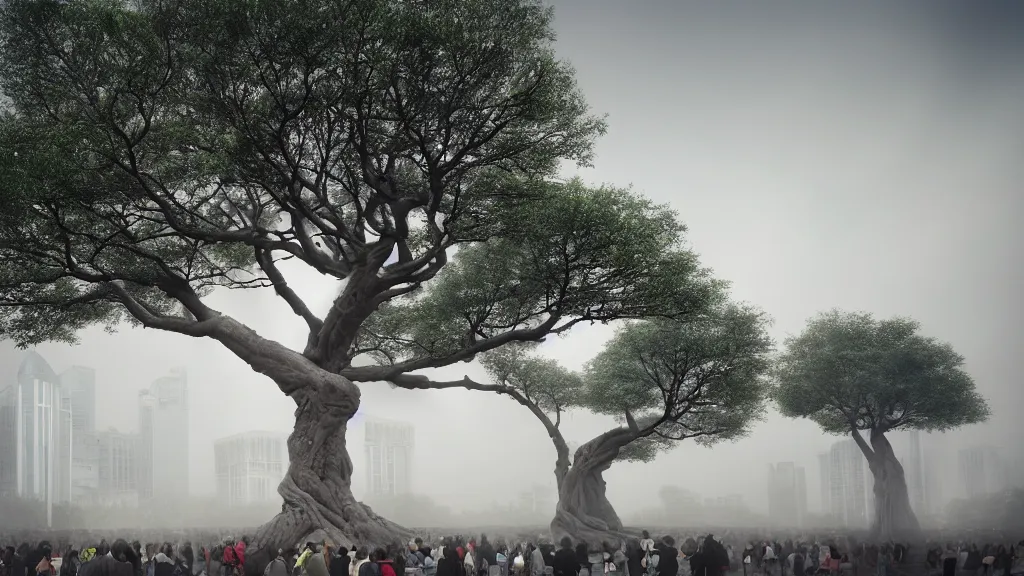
[{"x": 359, "y": 273}]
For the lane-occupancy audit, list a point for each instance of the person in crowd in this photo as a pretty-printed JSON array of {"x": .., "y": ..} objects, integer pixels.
[
  {"x": 116, "y": 562},
  {"x": 487, "y": 557},
  {"x": 340, "y": 562},
  {"x": 449, "y": 564},
  {"x": 317, "y": 563},
  {"x": 385, "y": 564},
  {"x": 45, "y": 567},
  {"x": 668, "y": 557}
]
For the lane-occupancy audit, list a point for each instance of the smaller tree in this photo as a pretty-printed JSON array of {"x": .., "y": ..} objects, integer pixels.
[
  {"x": 667, "y": 380},
  {"x": 849, "y": 372}
]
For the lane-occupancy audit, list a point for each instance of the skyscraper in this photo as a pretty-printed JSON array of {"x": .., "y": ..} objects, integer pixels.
[
  {"x": 848, "y": 492},
  {"x": 825, "y": 483},
  {"x": 118, "y": 468},
  {"x": 78, "y": 384},
  {"x": 982, "y": 471},
  {"x": 163, "y": 431},
  {"x": 389, "y": 447},
  {"x": 36, "y": 451},
  {"x": 787, "y": 495},
  {"x": 250, "y": 466}
]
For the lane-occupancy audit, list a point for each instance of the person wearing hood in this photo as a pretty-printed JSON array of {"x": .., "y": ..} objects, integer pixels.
[
  {"x": 317, "y": 562},
  {"x": 716, "y": 558},
  {"x": 449, "y": 564},
  {"x": 485, "y": 553},
  {"x": 537, "y": 564},
  {"x": 163, "y": 561}
]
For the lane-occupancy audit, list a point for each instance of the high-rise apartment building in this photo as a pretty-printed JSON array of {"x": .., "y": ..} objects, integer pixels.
[
  {"x": 163, "y": 431},
  {"x": 250, "y": 466},
  {"x": 79, "y": 386},
  {"x": 787, "y": 495},
  {"x": 118, "y": 467},
  {"x": 389, "y": 451},
  {"x": 825, "y": 482},
  {"x": 982, "y": 471},
  {"x": 849, "y": 499},
  {"x": 36, "y": 444}
]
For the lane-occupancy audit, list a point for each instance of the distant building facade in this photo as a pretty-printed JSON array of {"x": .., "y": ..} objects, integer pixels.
[
  {"x": 250, "y": 467},
  {"x": 118, "y": 466},
  {"x": 849, "y": 499},
  {"x": 787, "y": 495},
  {"x": 79, "y": 385},
  {"x": 389, "y": 451},
  {"x": 163, "y": 436},
  {"x": 982, "y": 471},
  {"x": 36, "y": 435},
  {"x": 825, "y": 482}
]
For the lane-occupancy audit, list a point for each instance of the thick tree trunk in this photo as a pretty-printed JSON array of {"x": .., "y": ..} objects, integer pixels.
[
  {"x": 318, "y": 501},
  {"x": 317, "y": 493},
  {"x": 894, "y": 518},
  {"x": 584, "y": 512}
]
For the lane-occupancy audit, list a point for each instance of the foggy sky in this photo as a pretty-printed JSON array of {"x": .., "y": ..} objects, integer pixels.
[{"x": 861, "y": 155}]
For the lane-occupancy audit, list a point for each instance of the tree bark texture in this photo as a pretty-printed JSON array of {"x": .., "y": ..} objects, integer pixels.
[
  {"x": 318, "y": 501},
  {"x": 316, "y": 489},
  {"x": 894, "y": 518},
  {"x": 583, "y": 512}
]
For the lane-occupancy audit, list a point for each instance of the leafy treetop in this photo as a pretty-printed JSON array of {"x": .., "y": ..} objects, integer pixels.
[
  {"x": 701, "y": 377},
  {"x": 578, "y": 254},
  {"x": 157, "y": 149},
  {"x": 850, "y": 371}
]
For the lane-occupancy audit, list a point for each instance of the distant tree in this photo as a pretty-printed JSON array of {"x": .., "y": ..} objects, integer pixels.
[
  {"x": 849, "y": 372},
  {"x": 152, "y": 151}
]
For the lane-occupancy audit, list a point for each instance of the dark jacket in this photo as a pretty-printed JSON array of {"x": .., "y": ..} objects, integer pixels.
[
  {"x": 668, "y": 561},
  {"x": 449, "y": 564},
  {"x": 339, "y": 565},
  {"x": 565, "y": 563},
  {"x": 162, "y": 565},
  {"x": 107, "y": 566}
]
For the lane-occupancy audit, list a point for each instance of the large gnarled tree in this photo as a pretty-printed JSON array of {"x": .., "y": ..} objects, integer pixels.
[
  {"x": 154, "y": 150},
  {"x": 851, "y": 373}
]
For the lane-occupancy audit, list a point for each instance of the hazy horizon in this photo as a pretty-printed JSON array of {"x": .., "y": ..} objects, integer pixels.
[{"x": 862, "y": 156}]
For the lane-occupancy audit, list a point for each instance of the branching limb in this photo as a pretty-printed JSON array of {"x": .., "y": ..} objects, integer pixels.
[{"x": 266, "y": 262}]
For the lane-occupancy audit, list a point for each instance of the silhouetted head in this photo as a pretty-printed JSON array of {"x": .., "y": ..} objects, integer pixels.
[
  {"x": 646, "y": 534},
  {"x": 121, "y": 551},
  {"x": 566, "y": 543}
]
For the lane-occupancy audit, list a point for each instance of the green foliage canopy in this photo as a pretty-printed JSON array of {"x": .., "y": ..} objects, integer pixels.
[
  {"x": 153, "y": 150},
  {"x": 577, "y": 254},
  {"x": 701, "y": 377},
  {"x": 850, "y": 371}
]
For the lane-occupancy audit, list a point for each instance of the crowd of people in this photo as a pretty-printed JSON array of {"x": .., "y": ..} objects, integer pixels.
[{"x": 459, "y": 556}]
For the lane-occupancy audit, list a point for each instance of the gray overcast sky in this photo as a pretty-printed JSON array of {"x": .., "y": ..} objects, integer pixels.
[{"x": 864, "y": 155}]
